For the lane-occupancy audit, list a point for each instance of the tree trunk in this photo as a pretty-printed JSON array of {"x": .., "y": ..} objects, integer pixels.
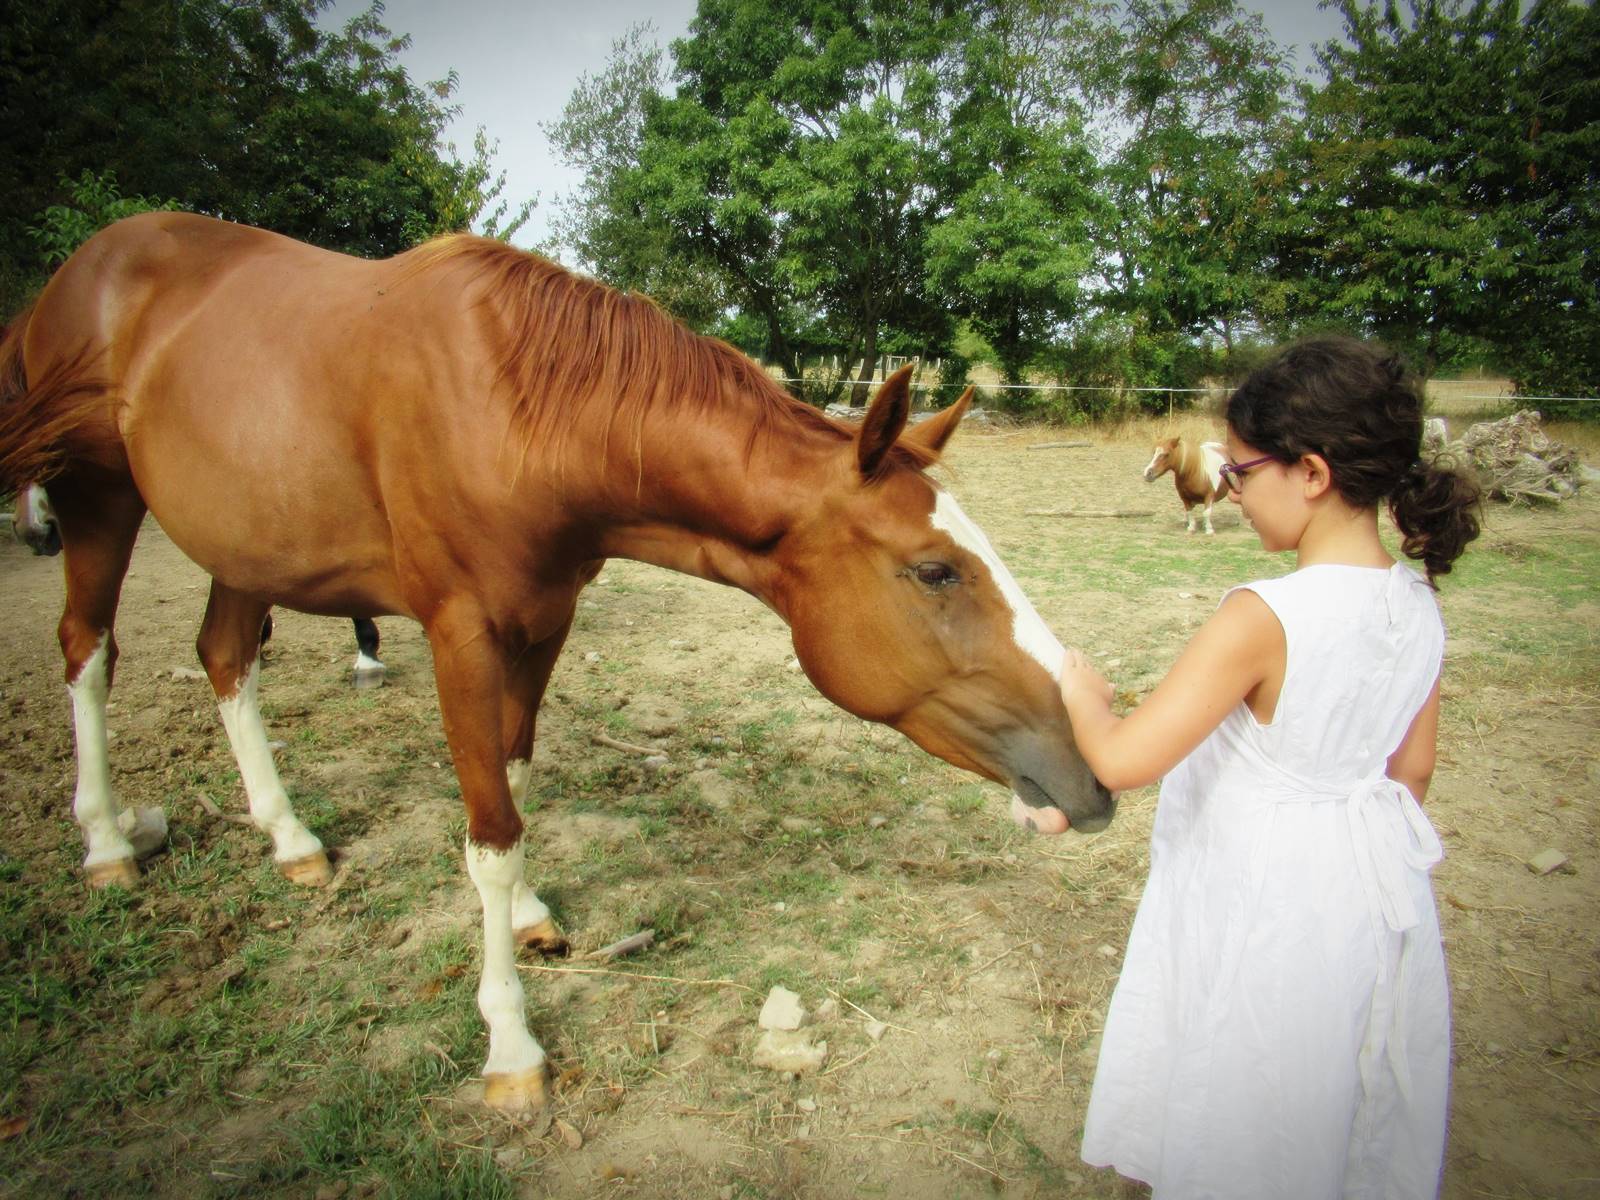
[{"x": 869, "y": 362}]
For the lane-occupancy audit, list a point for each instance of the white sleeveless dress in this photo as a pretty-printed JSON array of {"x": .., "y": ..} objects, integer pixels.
[{"x": 1281, "y": 1027}]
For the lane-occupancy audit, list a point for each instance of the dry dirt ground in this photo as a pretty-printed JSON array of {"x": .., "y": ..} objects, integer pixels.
[{"x": 784, "y": 843}]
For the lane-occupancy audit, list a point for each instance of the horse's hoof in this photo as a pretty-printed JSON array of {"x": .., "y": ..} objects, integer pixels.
[
  {"x": 516, "y": 1093},
  {"x": 311, "y": 871},
  {"x": 544, "y": 937},
  {"x": 117, "y": 872},
  {"x": 368, "y": 677}
]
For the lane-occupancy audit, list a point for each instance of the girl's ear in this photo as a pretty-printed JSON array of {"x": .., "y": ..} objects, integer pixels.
[{"x": 1319, "y": 477}]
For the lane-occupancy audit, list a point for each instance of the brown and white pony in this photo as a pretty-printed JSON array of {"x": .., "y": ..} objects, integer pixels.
[
  {"x": 1197, "y": 471},
  {"x": 463, "y": 435}
]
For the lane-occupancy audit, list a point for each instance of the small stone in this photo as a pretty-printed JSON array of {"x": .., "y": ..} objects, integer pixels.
[
  {"x": 333, "y": 1191},
  {"x": 795, "y": 824},
  {"x": 875, "y": 1030},
  {"x": 1546, "y": 861},
  {"x": 508, "y": 1158},
  {"x": 718, "y": 740},
  {"x": 592, "y": 656},
  {"x": 680, "y": 644},
  {"x": 187, "y": 673},
  {"x": 789, "y": 1051},
  {"x": 654, "y": 763},
  {"x": 877, "y": 822},
  {"x": 145, "y": 829},
  {"x": 827, "y": 1010},
  {"x": 1106, "y": 951},
  {"x": 806, "y": 1104},
  {"x": 1185, "y": 595},
  {"x": 782, "y": 1010},
  {"x": 1037, "y": 949},
  {"x": 569, "y": 1134},
  {"x": 794, "y": 664}
]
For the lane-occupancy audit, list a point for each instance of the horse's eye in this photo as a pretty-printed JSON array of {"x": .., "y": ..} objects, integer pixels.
[{"x": 935, "y": 574}]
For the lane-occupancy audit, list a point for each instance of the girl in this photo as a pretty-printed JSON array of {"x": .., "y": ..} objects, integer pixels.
[{"x": 1281, "y": 1025}]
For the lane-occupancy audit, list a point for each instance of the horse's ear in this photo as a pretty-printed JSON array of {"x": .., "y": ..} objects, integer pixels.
[
  {"x": 885, "y": 418},
  {"x": 933, "y": 433}
]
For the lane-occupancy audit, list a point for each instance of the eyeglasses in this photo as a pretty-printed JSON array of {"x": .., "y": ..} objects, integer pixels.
[{"x": 1233, "y": 473}]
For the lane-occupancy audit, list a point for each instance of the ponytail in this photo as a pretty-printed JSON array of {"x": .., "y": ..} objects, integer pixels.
[{"x": 1436, "y": 510}]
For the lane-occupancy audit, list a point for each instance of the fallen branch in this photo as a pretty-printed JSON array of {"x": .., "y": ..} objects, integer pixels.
[
  {"x": 1058, "y": 445},
  {"x": 210, "y": 805},
  {"x": 601, "y": 739},
  {"x": 1091, "y": 512},
  {"x": 628, "y": 945},
  {"x": 636, "y": 975}
]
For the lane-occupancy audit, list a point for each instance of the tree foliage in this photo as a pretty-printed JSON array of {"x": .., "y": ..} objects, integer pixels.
[{"x": 240, "y": 108}]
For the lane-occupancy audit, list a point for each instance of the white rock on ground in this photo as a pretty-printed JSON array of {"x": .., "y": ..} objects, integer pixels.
[
  {"x": 1547, "y": 861},
  {"x": 782, "y": 1010},
  {"x": 145, "y": 828},
  {"x": 789, "y": 1050}
]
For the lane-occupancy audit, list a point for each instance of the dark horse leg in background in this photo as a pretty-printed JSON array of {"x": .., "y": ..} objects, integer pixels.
[{"x": 369, "y": 669}]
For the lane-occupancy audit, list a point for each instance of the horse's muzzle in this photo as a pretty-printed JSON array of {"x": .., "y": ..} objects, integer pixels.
[
  {"x": 41, "y": 539},
  {"x": 1033, "y": 809}
]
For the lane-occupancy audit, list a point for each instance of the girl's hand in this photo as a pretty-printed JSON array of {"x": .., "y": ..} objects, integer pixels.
[{"x": 1079, "y": 680}]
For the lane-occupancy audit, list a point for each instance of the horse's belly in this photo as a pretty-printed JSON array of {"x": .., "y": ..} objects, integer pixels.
[{"x": 295, "y": 528}]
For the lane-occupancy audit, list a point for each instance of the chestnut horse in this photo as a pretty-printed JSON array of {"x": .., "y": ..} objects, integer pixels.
[
  {"x": 463, "y": 435},
  {"x": 1196, "y": 470}
]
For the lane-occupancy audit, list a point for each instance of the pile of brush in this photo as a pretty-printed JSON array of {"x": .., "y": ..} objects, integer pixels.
[{"x": 1513, "y": 458}]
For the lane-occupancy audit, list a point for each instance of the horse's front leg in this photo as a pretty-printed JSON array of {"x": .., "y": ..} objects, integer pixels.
[
  {"x": 526, "y": 678},
  {"x": 1188, "y": 517},
  {"x": 230, "y": 650},
  {"x": 472, "y": 676}
]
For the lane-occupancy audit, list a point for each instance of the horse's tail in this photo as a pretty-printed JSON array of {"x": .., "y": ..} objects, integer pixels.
[{"x": 47, "y": 422}]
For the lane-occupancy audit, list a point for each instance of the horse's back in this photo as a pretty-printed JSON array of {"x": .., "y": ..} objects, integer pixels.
[{"x": 251, "y": 378}]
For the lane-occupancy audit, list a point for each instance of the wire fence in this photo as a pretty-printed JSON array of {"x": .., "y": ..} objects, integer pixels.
[{"x": 1497, "y": 397}]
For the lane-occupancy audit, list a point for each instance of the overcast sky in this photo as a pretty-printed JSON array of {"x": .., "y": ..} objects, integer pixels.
[{"x": 519, "y": 60}]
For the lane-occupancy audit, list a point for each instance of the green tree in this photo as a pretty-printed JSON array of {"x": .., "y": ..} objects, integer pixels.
[
  {"x": 92, "y": 202},
  {"x": 240, "y": 108},
  {"x": 1199, "y": 94},
  {"x": 606, "y": 221},
  {"x": 792, "y": 165},
  {"x": 1449, "y": 183},
  {"x": 1014, "y": 249}
]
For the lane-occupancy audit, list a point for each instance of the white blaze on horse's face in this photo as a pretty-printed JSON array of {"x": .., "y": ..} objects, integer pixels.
[
  {"x": 1156, "y": 465},
  {"x": 1031, "y": 633}
]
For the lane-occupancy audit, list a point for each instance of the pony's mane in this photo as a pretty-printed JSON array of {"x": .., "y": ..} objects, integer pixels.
[{"x": 575, "y": 345}]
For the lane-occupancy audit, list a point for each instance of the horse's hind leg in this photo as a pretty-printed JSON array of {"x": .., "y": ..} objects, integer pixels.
[
  {"x": 532, "y": 925},
  {"x": 230, "y": 650},
  {"x": 98, "y": 529},
  {"x": 369, "y": 669}
]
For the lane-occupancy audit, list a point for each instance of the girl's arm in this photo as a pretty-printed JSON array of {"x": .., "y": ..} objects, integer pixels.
[
  {"x": 1241, "y": 646},
  {"x": 1412, "y": 764}
]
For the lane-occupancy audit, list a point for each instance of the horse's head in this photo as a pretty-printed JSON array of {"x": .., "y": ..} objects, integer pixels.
[
  {"x": 34, "y": 522},
  {"x": 1163, "y": 460},
  {"x": 902, "y": 613}
]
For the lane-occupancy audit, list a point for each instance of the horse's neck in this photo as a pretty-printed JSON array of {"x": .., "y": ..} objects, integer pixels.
[{"x": 693, "y": 502}]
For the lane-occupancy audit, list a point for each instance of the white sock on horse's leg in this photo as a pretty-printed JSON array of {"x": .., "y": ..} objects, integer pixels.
[
  {"x": 110, "y": 854},
  {"x": 1208, "y": 518},
  {"x": 514, "y": 1073},
  {"x": 297, "y": 851},
  {"x": 531, "y": 922}
]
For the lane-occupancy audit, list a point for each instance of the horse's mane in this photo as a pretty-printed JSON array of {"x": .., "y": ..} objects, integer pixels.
[{"x": 575, "y": 345}]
